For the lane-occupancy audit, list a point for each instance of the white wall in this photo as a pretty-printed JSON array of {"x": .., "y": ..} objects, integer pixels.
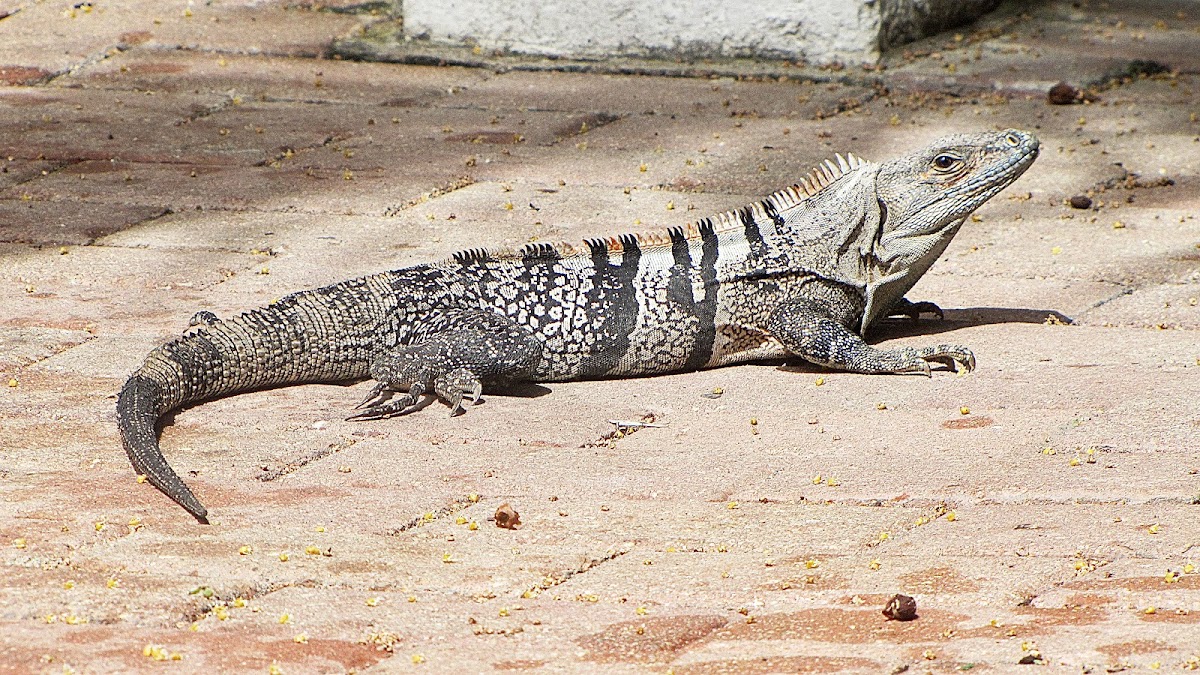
[{"x": 818, "y": 31}]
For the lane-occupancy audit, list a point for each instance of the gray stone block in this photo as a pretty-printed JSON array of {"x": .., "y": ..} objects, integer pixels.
[{"x": 815, "y": 31}]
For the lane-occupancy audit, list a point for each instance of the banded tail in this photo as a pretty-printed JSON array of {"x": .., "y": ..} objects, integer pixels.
[{"x": 314, "y": 336}]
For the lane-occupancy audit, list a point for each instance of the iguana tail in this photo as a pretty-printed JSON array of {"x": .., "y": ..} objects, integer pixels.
[{"x": 314, "y": 336}]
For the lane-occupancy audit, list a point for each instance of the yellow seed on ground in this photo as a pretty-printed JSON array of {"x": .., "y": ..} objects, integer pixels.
[
  {"x": 1074, "y": 461},
  {"x": 832, "y": 482},
  {"x": 951, "y": 517},
  {"x": 812, "y": 563},
  {"x": 964, "y": 410},
  {"x": 113, "y": 583},
  {"x": 640, "y": 611},
  {"x": 99, "y": 525},
  {"x": 301, "y": 639},
  {"x": 141, "y": 478},
  {"x": 283, "y": 557},
  {"x": 221, "y": 612},
  {"x": 285, "y": 618},
  {"x": 472, "y": 526},
  {"x": 881, "y": 406},
  {"x": 274, "y": 669},
  {"x": 12, "y": 382},
  {"x": 319, "y": 528},
  {"x": 1153, "y": 529},
  {"x": 312, "y": 550},
  {"x": 447, "y": 558},
  {"x": 473, "y": 498},
  {"x": 731, "y": 505},
  {"x": 245, "y": 550},
  {"x": 643, "y": 168},
  {"x": 503, "y": 611},
  {"x": 874, "y": 564},
  {"x": 19, "y": 542},
  {"x": 1056, "y": 250},
  {"x": 1189, "y": 568},
  {"x": 417, "y": 659},
  {"x": 372, "y": 602},
  {"x": 1169, "y": 577},
  {"x": 884, "y": 536},
  {"x": 461, "y": 520},
  {"x": 819, "y": 381},
  {"x": 239, "y": 602},
  {"x": 1151, "y": 610},
  {"x": 68, "y": 585}
]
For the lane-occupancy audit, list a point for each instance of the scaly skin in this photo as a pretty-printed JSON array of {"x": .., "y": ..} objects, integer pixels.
[{"x": 804, "y": 272}]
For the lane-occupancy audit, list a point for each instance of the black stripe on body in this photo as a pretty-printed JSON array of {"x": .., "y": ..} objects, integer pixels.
[
  {"x": 612, "y": 306},
  {"x": 753, "y": 235},
  {"x": 705, "y": 310},
  {"x": 768, "y": 206}
]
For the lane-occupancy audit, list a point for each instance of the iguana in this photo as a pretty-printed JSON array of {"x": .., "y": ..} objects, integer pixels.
[{"x": 805, "y": 272}]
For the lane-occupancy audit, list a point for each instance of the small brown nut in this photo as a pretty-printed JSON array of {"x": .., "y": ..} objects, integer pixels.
[
  {"x": 507, "y": 517},
  {"x": 1081, "y": 202},
  {"x": 1062, "y": 94},
  {"x": 901, "y": 608}
]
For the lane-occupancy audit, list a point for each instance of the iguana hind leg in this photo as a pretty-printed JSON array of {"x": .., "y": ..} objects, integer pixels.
[
  {"x": 807, "y": 331},
  {"x": 468, "y": 350}
]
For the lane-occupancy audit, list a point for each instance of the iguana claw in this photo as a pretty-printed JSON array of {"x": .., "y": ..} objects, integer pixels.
[
  {"x": 914, "y": 310},
  {"x": 390, "y": 407}
]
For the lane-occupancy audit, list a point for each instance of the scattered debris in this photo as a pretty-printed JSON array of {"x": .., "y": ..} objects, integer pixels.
[
  {"x": 901, "y": 608},
  {"x": 1081, "y": 202},
  {"x": 507, "y": 517},
  {"x": 626, "y": 425},
  {"x": 1033, "y": 658},
  {"x": 1063, "y": 94}
]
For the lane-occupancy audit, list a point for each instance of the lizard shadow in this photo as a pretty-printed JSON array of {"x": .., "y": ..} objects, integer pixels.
[{"x": 966, "y": 317}]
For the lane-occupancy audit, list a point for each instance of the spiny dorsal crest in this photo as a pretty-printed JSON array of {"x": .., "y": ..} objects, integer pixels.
[{"x": 768, "y": 208}]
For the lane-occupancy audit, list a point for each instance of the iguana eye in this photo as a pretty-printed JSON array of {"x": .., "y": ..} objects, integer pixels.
[{"x": 944, "y": 161}]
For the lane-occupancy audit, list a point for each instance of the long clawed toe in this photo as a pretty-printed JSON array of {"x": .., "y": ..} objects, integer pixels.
[
  {"x": 456, "y": 385},
  {"x": 914, "y": 310},
  {"x": 380, "y": 404},
  {"x": 375, "y": 397},
  {"x": 953, "y": 357}
]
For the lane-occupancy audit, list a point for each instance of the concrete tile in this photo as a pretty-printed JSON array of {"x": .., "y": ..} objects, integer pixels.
[
  {"x": 68, "y": 124},
  {"x": 45, "y": 223}
]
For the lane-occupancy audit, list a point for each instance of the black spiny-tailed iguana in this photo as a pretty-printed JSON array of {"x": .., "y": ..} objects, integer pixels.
[{"x": 804, "y": 272}]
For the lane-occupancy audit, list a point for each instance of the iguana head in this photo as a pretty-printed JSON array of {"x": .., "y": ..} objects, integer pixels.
[{"x": 925, "y": 196}]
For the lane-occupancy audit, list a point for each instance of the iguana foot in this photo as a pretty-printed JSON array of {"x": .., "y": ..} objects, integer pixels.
[
  {"x": 466, "y": 349},
  {"x": 382, "y": 405},
  {"x": 807, "y": 330},
  {"x": 954, "y": 357},
  {"x": 914, "y": 310}
]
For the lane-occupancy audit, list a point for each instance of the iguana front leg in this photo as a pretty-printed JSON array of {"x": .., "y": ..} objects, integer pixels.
[
  {"x": 807, "y": 330},
  {"x": 914, "y": 310},
  {"x": 471, "y": 348}
]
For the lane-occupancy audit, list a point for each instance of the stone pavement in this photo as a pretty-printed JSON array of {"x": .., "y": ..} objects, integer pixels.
[{"x": 162, "y": 158}]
